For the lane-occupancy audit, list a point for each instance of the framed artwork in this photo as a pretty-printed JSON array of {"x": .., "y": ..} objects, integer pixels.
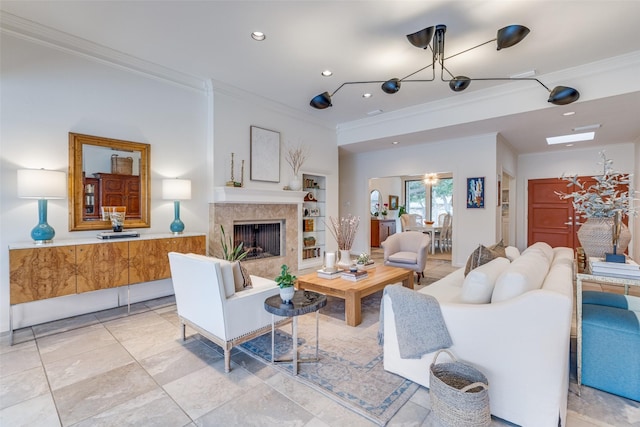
[
  {"x": 475, "y": 192},
  {"x": 393, "y": 203},
  {"x": 265, "y": 155}
]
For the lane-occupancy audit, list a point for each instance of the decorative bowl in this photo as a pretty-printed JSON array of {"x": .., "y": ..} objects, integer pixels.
[{"x": 429, "y": 222}]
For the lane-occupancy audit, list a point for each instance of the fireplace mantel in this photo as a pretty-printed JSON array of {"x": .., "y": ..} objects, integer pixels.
[{"x": 256, "y": 196}]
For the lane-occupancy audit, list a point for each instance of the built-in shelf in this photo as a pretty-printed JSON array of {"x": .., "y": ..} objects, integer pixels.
[{"x": 313, "y": 226}]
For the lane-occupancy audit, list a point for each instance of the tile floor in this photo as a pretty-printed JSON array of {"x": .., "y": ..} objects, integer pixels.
[{"x": 110, "y": 368}]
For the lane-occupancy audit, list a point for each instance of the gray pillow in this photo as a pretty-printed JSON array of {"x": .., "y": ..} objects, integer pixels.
[
  {"x": 483, "y": 255},
  {"x": 241, "y": 277}
]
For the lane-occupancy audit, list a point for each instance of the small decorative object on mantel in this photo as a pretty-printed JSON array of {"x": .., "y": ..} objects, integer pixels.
[
  {"x": 233, "y": 182},
  {"x": 285, "y": 282},
  {"x": 601, "y": 203},
  {"x": 295, "y": 157}
]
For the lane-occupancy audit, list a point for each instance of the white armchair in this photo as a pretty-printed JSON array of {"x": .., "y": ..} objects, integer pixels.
[
  {"x": 407, "y": 250},
  {"x": 216, "y": 311}
]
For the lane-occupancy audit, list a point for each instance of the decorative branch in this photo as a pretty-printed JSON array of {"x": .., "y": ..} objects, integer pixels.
[
  {"x": 296, "y": 156},
  {"x": 344, "y": 230},
  {"x": 604, "y": 198}
]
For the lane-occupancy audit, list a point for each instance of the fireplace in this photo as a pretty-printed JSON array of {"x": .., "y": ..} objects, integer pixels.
[
  {"x": 262, "y": 239},
  {"x": 233, "y": 206}
]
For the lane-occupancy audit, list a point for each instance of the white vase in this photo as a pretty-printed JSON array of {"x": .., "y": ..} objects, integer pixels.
[
  {"x": 345, "y": 258},
  {"x": 595, "y": 236},
  {"x": 296, "y": 183},
  {"x": 286, "y": 294}
]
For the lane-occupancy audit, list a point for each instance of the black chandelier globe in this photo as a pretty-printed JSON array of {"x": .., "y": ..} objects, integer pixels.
[{"x": 433, "y": 38}]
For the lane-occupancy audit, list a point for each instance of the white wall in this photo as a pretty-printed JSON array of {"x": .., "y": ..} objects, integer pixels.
[
  {"x": 465, "y": 158},
  {"x": 236, "y": 113},
  {"x": 581, "y": 161},
  {"x": 47, "y": 93}
]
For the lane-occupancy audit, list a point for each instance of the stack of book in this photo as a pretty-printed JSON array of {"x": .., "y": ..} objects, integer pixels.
[
  {"x": 626, "y": 270},
  {"x": 354, "y": 276},
  {"x": 330, "y": 274}
]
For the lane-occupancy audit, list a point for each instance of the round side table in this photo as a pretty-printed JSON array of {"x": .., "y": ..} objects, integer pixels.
[{"x": 303, "y": 302}]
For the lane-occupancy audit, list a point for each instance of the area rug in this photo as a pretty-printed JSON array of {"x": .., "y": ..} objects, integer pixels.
[{"x": 350, "y": 367}]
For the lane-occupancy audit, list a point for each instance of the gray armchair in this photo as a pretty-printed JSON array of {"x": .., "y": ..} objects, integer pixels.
[{"x": 407, "y": 250}]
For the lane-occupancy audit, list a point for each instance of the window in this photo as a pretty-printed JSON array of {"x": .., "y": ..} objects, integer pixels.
[
  {"x": 440, "y": 198},
  {"x": 416, "y": 197}
]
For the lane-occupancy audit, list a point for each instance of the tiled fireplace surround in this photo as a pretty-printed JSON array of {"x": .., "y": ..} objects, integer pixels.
[{"x": 239, "y": 204}]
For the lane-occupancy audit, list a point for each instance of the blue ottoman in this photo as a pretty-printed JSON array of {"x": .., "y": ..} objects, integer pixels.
[{"x": 611, "y": 343}]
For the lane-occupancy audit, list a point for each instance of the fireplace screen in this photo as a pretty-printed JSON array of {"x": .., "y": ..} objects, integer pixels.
[{"x": 261, "y": 239}]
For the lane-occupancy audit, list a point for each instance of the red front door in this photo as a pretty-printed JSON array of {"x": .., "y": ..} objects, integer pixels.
[{"x": 551, "y": 219}]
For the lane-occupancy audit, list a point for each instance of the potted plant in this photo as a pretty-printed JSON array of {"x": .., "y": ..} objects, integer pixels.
[
  {"x": 229, "y": 251},
  {"x": 363, "y": 260},
  {"x": 603, "y": 204},
  {"x": 285, "y": 282}
]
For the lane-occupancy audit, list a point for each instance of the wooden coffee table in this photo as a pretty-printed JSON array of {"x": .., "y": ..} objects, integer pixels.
[{"x": 353, "y": 292}]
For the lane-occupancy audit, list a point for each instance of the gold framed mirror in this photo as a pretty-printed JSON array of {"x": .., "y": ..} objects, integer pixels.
[{"x": 106, "y": 173}]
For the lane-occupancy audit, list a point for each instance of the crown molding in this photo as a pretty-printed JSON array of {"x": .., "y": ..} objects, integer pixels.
[{"x": 37, "y": 33}]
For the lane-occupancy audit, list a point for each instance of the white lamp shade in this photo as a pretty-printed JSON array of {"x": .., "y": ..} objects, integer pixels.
[
  {"x": 176, "y": 189},
  {"x": 41, "y": 184}
]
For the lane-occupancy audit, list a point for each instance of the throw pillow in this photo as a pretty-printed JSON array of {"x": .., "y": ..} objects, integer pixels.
[
  {"x": 512, "y": 252},
  {"x": 482, "y": 255},
  {"x": 241, "y": 277},
  {"x": 526, "y": 273},
  {"x": 477, "y": 287},
  {"x": 499, "y": 248},
  {"x": 226, "y": 270}
]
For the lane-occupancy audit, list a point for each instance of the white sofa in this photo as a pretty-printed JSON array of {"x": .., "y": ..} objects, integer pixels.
[
  {"x": 207, "y": 301},
  {"x": 519, "y": 340}
]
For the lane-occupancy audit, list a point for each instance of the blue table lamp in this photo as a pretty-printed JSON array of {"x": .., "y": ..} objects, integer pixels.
[
  {"x": 176, "y": 190},
  {"x": 43, "y": 185}
]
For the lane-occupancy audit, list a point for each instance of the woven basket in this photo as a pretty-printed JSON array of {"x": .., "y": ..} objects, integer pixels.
[
  {"x": 459, "y": 394},
  {"x": 121, "y": 165}
]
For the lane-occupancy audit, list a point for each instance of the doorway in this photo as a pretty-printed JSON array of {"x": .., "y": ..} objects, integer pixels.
[{"x": 550, "y": 218}]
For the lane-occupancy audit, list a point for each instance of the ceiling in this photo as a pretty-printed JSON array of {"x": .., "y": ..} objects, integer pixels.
[{"x": 365, "y": 40}]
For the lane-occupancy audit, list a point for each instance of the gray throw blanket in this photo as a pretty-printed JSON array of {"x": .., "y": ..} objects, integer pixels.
[{"x": 419, "y": 324}]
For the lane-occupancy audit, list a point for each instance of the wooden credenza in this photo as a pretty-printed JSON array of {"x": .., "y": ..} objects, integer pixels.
[
  {"x": 41, "y": 272},
  {"x": 381, "y": 229}
]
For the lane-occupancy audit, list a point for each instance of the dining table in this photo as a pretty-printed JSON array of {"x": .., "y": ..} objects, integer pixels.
[{"x": 429, "y": 229}]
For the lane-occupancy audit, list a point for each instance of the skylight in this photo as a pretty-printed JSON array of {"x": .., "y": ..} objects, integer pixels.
[{"x": 574, "y": 137}]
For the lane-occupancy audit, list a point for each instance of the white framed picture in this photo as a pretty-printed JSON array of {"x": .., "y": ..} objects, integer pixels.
[{"x": 265, "y": 155}]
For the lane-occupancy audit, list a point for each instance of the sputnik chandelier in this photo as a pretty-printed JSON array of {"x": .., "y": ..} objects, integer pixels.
[{"x": 433, "y": 38}]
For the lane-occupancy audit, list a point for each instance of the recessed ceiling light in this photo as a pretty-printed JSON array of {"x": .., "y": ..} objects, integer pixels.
[
  {"x": 569, "y": 113},
  {"x": 258, "y": 36},
  {"x": 366, "y": 95},
  {"x": 395, "y": 142},
  {"x": 575, "y": 137},
  {"x": 327, "y": 73}
]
